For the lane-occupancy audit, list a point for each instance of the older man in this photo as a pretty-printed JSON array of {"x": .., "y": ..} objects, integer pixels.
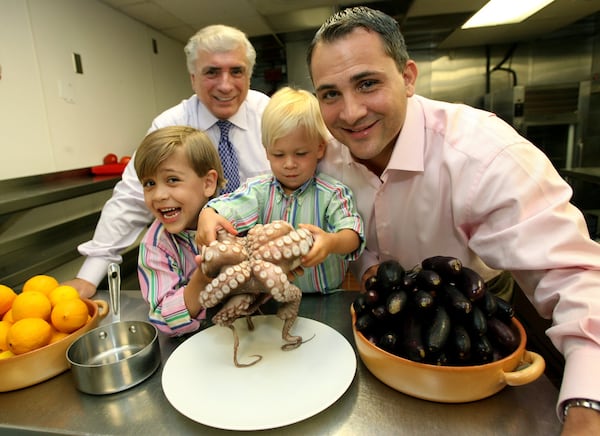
[{"x": 220, "y": 60}]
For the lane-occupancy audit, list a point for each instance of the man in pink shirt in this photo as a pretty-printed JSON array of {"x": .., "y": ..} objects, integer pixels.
[{"x": 433, "y": 178}]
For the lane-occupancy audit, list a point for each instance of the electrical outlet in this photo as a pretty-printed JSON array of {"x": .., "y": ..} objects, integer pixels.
[{"x": 66, "y": 91}]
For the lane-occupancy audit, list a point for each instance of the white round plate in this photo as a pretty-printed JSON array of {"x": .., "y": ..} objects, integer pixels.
[{"x": 200, "y": 380}]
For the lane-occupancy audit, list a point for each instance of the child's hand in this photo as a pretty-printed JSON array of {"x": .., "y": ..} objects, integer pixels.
[
  {"x": 209, "y": 221},
  {"x": 321, "y": 246}
]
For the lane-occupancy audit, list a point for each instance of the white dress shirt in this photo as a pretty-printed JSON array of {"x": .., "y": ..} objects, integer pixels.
[
  {"x": 125, "y": 214},
  {"x": 461, "y": 182}
]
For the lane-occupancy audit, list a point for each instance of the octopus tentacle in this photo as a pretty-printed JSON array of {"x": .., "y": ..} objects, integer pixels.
[
  {"x": 221, "y": 253},
  {"x": 237, "y": 306}
]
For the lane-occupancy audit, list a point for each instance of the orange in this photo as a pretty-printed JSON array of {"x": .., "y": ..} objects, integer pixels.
[
  {"x": 4, "y": 326},
  {"x": 7, "y": 296},
  {"x": 8, "y": 317},
  {"x": 28, "y": 334},
  {"x": 62, "y": 292},
  {"x": 6, "y": 354},
  {"x": 41, "y": 283},
  {"x": 69, "y": 315},
  {"x": 57, "y": 336},
  {"x": 32, "y": 304}
]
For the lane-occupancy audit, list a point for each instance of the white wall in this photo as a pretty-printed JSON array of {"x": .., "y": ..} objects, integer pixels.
[{"x": 52, "y": 119}]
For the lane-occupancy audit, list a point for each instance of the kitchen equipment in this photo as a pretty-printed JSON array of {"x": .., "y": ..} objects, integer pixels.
[
  {"x": 114, "y": 290},
  {"x": 114, "y": 357},
  {"x": 200, "y": 380},
  {"x": 117, "y": 356},
  {"x": 44, "y": 363},
  {"x": 450, "y": 384}
]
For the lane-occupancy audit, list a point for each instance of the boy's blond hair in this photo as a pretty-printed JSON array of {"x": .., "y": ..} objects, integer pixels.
[
  {"x": 289, "y": 109},
  {"x": 160, "y": 144}
]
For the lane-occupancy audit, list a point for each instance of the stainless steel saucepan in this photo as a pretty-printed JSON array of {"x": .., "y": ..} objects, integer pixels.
[{"x": 117, "y": 356}]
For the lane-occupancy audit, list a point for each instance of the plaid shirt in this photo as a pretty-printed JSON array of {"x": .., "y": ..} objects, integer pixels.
[{"x": 322, "y": 201}]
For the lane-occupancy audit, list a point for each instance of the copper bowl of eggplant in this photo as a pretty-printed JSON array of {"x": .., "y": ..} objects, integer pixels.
[{"x": 436, "y": 333}]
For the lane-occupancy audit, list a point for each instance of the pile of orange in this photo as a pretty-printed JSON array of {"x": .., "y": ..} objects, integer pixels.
[{"x": 43, "y": 313}]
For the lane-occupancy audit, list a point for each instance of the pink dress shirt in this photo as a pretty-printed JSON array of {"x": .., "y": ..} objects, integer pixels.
[{"x": 461, "y": 182}]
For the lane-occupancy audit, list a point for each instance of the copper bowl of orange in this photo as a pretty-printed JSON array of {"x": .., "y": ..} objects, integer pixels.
[
  {"x": 39, "y": 365},
  {"x": 450, "y": 384}
]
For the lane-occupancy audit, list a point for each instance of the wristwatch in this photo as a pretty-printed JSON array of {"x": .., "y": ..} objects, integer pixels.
[{"x": 580, "y": 402}]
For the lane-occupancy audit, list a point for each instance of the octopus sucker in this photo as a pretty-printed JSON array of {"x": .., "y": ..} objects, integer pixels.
[
  {"x": 248, "y": 271},
  {"x": 304, "y": 247}
]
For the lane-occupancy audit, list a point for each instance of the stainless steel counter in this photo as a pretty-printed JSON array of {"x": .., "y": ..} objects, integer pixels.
[{"x": 367, "y": 407}]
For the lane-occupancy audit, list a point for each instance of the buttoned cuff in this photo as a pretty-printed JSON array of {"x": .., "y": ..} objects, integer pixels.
[
  {"x": 579, "y": 379},
  {"x": 94, "y": 269}
]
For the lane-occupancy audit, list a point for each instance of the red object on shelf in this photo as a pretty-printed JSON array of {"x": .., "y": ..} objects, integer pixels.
[{"x": 109, "y": 169}]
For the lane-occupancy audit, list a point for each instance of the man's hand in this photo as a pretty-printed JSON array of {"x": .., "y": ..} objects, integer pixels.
[
  {"x": 581, "y": 421},
  {"x": 85, "y": 288},
  {"x": 209, "y": 221}
]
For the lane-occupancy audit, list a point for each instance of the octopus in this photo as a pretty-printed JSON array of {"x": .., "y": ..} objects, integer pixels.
[{"x": 248, "y": 271}]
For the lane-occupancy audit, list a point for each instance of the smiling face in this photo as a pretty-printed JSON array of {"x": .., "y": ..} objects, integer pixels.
[
  {"x": 294, "y": 158},
  {"x": 362, "y": 95},
  {"x": 175, "y": 193},
  {"x": 221, "y": 81}
]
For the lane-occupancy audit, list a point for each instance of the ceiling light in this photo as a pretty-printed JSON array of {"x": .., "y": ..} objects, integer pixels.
[{"x": 497, "y": 12}]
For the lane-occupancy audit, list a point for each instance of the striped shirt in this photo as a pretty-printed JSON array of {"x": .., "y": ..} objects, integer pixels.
[
  {"x": 321, "y": 201},
  {"x": 165, "y": 265}
]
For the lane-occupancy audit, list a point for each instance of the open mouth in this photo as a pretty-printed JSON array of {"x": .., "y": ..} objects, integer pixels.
[{"x": 170, "y": 213}]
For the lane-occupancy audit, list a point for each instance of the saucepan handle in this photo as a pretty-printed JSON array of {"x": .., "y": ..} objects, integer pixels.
[{"x": 114, "y": 289}]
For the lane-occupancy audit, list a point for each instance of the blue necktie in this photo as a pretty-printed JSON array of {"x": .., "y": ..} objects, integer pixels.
[{"x": 229, "y": 158}]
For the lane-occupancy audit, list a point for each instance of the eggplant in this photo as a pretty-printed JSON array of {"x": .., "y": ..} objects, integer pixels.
[
  {"x": 460, "y": 343},
  {"x": 428, "y": 280},
  {"x": 504, "y": 311},
  {"x": 488, "y": 304},
  {"x": 471, "y": 284},
  {"x": 396, "y": 302},
  {"x": 482, "y": 350},
  {"x": 477, "y": 322},
  {"x": 447, "y": 267},
  {"x": 380, "y": 313},
  {"x": 371, "y": 283},
  {"x": 438, "y": 331},
  {"x": 365, "y": 323},
  {"x": 412, "y": 338},
  {"x": 458, "y": 305},
  {"x": 389, "y": 276},
  {"x": 372, "y": 297},
  {"x": 389, "y": 342},
  {"x": 503, "y": 335},
  {"x": 423, "y": 301},
  {"x": 360, "y": 305}
]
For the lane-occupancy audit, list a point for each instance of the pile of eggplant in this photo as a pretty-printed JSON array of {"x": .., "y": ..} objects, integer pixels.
[{"x": 439, "y": 312}]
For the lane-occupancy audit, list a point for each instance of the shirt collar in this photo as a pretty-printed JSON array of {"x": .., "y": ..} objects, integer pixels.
[
  {"x": 297, "y": 194},
  {"x": 409, "y": 150},
  {"x": 206, "y": 119}
]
